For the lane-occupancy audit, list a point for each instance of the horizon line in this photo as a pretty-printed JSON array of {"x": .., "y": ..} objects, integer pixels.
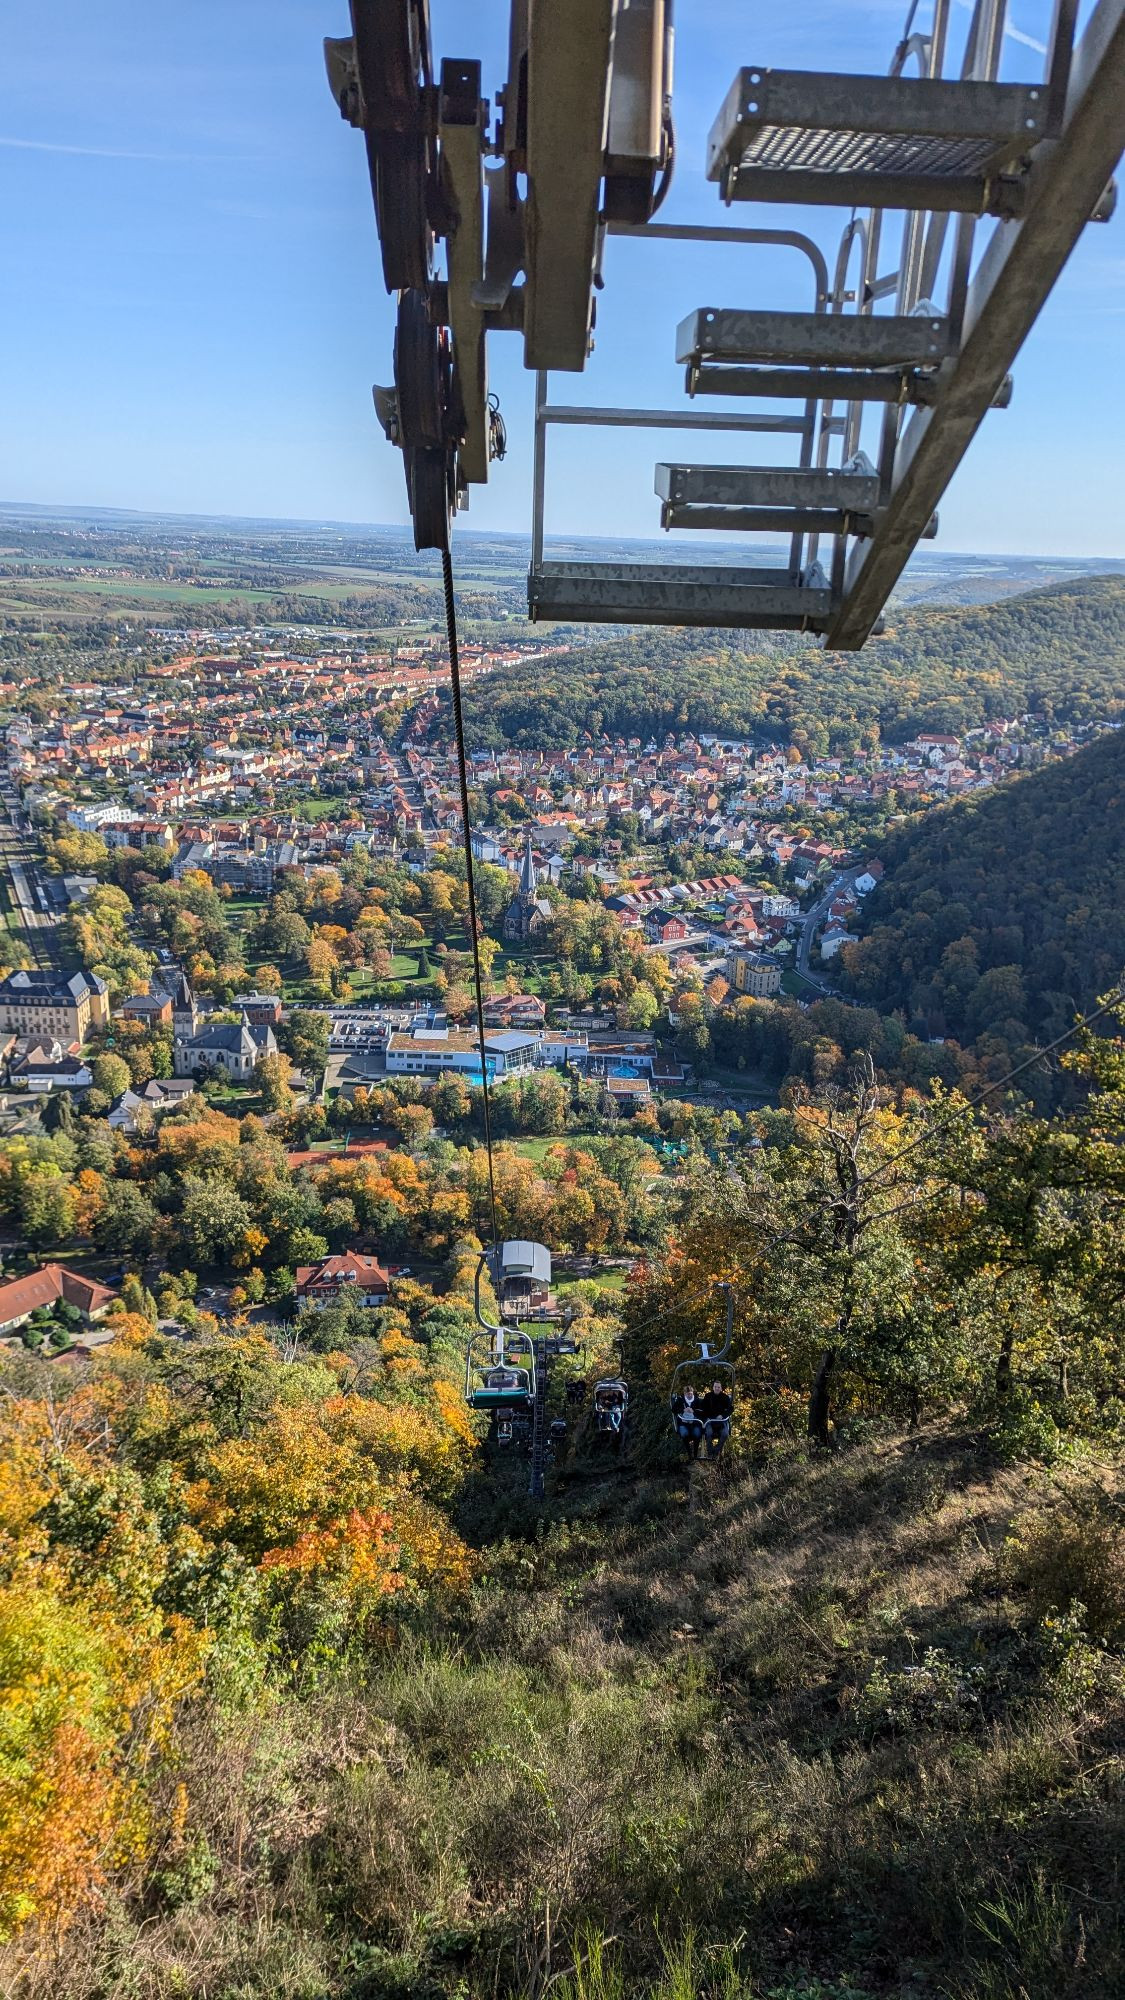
[{"x": 62, "y": 510}]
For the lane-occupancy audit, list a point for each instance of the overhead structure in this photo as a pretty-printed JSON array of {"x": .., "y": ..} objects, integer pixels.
[{"x": 872, "y": 394}]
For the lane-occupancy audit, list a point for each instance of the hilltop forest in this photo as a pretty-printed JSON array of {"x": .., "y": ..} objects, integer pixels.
[
  {"x": 1060, "y": 651},
  {"x": 1004, "y": 915}
]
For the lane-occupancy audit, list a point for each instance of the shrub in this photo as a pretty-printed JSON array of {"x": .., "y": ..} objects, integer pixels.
[
  {"x": 1018, "y": 1427},
  {"x": 1057, "y": 1559},
  {"x": 936, "y": 1693}
]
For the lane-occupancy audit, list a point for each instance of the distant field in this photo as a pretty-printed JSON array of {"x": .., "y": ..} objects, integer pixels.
[
  {"x": 120, "y": 588},
  {"x": 219, "y": 591}
]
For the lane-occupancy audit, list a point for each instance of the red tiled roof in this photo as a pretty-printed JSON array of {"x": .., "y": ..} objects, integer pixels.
[
  {"x": 46, "y": 1287},
  {"x": 349, "y": 1267}
]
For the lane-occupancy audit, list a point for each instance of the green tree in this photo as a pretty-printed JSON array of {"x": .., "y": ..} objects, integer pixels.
[
  {"x": 304, "y": 1037},
  {"x": 213, "y": 1217},
  {"x": 128, "y": 1223},
  {"x": 111, "y": 1074}
]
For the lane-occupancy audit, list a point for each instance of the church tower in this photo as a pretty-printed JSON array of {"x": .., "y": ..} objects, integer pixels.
[{"x": 526, "y": 913}]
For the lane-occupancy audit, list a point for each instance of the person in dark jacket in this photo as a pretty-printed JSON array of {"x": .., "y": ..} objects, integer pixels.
[
  {"x": 716, "y": 1410},
  {"x": 688, "y": 1421}
]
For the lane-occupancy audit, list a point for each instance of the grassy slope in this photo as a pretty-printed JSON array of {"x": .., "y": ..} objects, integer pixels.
[{"x": 654, "y": 1718}]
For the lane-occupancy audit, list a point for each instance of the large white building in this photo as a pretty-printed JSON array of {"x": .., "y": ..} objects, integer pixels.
[{"x": 426, "y": 1051}]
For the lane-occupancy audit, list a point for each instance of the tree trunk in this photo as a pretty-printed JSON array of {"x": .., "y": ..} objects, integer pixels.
[
  {"x": 819, "y": 1399},
  {"x": 1004, "y": 1361}
]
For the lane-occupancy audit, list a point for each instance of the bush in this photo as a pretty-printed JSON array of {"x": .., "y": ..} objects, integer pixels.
[
  {"x": 1018, "y": 1427},
  {"x": 936, "y": 1693},
  {"x": 1057, "y": 1559}
]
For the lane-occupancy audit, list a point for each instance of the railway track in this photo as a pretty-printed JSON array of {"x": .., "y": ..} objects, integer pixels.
[{"x": 21, "y": 864}]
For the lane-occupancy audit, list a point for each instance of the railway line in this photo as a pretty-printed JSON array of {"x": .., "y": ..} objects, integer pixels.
[{"x": 21, "y": 865}]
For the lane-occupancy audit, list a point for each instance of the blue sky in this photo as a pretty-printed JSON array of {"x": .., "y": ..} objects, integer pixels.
[{"x": 194, "y": 313}]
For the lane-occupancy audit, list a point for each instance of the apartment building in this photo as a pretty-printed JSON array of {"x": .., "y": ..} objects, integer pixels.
[{"x": 63, "y": 1007}]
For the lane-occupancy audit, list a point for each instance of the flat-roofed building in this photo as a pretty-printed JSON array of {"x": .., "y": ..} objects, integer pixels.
[{"x": 425, "y": 1051}]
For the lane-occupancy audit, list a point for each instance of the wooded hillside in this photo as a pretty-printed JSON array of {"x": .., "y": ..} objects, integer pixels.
[
  {"x": 1005, "y": 914},
  {"x": 1059, "y": 651}
]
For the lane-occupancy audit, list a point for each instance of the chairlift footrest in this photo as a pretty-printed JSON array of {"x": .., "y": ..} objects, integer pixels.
[
  {"x": 885, "y": 141},
  {"x": 850, "y": 488},
  {"x": 824, "y": 340},
  {"x": 843, "y": 385},
  {"x": 680, "y": 594}
]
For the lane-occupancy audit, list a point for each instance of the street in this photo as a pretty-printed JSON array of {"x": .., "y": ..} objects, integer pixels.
[{"x": 813, "y": 920}]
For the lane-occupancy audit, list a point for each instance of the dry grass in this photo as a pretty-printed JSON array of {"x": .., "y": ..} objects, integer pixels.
[{"x": 710, "y": 1736}]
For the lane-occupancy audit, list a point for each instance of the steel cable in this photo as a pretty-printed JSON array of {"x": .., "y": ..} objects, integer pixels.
[{"x": 470, "y": 880}]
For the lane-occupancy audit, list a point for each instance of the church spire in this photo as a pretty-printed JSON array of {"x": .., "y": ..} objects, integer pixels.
[{"x": 527, "y": 868}]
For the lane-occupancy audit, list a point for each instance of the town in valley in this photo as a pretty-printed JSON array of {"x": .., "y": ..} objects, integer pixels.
[{"x": 233, "y": 873}]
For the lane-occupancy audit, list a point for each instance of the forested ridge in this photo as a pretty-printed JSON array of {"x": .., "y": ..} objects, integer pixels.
[
  {"x": 1059, "y": 652},
  {"x": 1003, "y": 915}
]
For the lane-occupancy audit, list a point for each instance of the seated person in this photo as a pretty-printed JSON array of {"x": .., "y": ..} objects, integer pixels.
[
  {"x": 688, "y": 1422},
  {"x": 503, "y": 1378},
  {"x": 716, "y": 1410}
]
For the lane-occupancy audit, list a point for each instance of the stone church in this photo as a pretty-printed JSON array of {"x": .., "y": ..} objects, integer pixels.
[{"x": 527, "y": 915}]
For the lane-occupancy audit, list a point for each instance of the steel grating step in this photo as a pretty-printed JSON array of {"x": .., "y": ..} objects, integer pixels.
[
  {"x": 845, "y": 385},
  {"x": 851, "y": 488},
  {"x": 767, "y": 520},
  {"x": 681, "y": 594},
  {"x": 885, "y": 141},
  {"x": 825, "y": 340}
]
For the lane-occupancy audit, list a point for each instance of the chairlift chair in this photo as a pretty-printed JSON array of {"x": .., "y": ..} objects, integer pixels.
[
  {"x": 500, "y": 1371},
  {"x": 611, "y": 1406},
  {"x": 709, "y": 1364},
  {"x": 500, "y": 1360}
]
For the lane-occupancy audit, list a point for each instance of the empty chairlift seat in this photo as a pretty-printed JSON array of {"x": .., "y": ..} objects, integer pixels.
[{"x": 886, "y": 141}]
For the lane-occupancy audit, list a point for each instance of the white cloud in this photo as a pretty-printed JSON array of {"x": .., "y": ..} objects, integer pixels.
[{"x": 107, "y": 152}]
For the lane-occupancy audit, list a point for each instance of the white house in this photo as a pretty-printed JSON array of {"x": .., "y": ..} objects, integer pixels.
[
  {"x": 134, "y": 1109},
  {"x": 42, "y": 1071},
  {"x": 350, "y": 1275}
]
